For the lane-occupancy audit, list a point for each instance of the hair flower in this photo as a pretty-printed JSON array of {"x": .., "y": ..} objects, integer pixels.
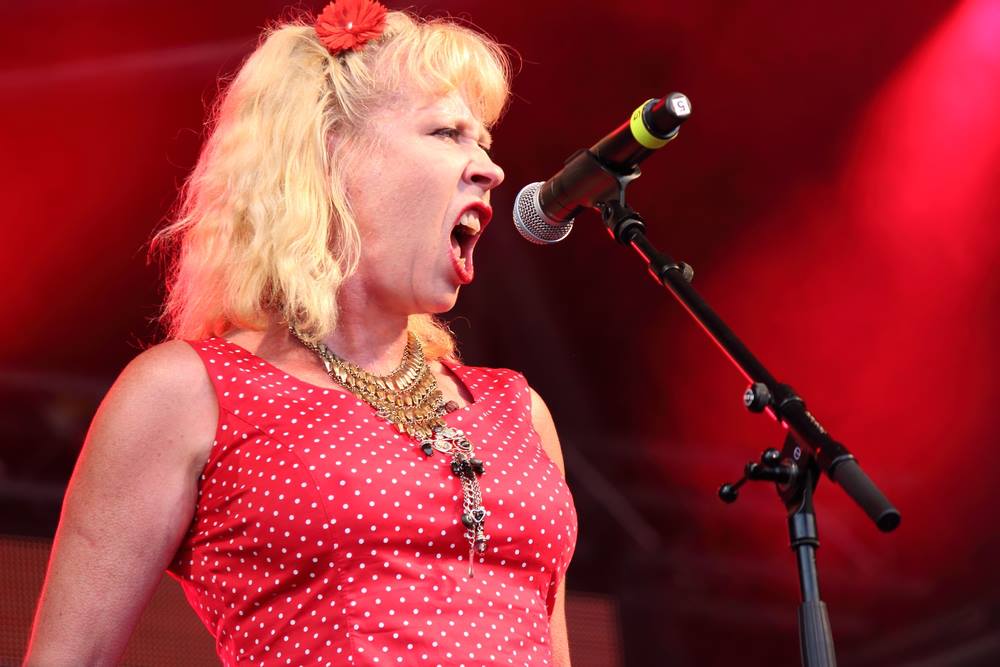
[{"x": 346, "y": 25}]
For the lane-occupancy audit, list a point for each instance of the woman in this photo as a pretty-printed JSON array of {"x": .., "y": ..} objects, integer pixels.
[{"x": 320, "y": 500}]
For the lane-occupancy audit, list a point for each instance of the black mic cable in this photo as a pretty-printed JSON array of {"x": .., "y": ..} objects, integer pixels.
[{"x": 544, "y": 212}]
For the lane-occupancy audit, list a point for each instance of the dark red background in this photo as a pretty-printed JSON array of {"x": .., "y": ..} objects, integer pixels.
[{"x": 837, "y": 190}]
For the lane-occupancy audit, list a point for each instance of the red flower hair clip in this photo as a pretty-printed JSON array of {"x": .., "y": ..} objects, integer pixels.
[{"x": 346, "y": 25}]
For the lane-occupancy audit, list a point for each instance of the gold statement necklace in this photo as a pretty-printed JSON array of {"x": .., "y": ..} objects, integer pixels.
[{"x": 409, "y": 398}]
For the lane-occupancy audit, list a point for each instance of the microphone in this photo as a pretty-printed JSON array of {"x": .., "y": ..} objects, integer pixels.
[{"x": 544, "y": 212}]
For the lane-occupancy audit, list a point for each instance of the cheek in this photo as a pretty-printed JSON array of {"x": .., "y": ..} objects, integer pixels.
[{"x": 400, "y": 197}]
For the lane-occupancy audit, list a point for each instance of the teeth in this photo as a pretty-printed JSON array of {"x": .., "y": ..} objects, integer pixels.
[{"x": 469, "y": 223}]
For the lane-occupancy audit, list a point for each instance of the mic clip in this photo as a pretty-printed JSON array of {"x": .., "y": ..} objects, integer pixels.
[
  {"x": 620, "y": 219},
  {"x": 625, "y": 226}
]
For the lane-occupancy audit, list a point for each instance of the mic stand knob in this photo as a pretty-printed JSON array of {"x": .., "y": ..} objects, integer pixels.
[
  {"x": 728, "y": 493},
  {"x": 757, "y": 397},
  {"x": 770, "y": 469}
]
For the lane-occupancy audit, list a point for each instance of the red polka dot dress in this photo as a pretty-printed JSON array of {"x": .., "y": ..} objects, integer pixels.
[{"x": 322, "y": 536}]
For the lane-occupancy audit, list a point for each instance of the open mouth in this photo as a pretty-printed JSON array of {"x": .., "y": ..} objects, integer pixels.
[{"x": 464, "y": 235}]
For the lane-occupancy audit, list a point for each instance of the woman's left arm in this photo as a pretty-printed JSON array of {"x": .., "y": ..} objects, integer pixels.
[{"x": 546, "y": 429}]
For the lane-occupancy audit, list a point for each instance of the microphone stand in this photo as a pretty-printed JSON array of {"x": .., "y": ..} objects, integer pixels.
[{"x": 808, "y": 449}]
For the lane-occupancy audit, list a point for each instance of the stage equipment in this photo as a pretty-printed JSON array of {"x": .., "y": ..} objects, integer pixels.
[
  {"x": 544, "y": 212},
  {"x": 592, "y": 179}
]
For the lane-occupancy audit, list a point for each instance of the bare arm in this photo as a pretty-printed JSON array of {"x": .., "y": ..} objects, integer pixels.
[
  {"x": 542, "y": 420},
  {"x": 128, "y": 506}
]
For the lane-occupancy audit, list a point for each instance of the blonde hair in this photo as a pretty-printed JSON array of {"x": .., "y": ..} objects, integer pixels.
[{"x": 263, "y": 227}]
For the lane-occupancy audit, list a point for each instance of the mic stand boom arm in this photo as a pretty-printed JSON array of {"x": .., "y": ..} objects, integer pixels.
[
  {"x": 809, "y": 450},
  {"x": 765, "y": 393}
]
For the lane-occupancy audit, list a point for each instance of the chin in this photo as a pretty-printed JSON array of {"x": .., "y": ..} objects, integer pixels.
[
  {"x": 443, "y": 307},
  {"x": 441, "y": 304}
]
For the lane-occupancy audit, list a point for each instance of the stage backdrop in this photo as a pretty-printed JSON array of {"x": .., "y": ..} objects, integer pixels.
[{"x": 837, "y": 190}]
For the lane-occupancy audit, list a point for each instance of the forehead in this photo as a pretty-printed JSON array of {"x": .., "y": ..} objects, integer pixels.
[{"x": 449, "y": 108}]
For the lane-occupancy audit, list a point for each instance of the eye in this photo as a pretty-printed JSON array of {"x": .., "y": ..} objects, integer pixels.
[
  {"x": 452, "y": 133},
  {"x": 455, "y": 134}
]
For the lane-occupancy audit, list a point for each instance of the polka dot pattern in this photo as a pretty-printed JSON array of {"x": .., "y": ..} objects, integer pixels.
[{"x": 324, "y": 537}]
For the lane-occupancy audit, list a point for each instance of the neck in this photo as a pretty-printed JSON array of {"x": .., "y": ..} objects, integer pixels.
[
  {"x": 374, "y": 345},
  {"x": 367, "y": 334}
]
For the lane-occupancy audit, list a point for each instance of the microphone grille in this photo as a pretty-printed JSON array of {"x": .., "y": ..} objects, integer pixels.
[{"x": 531, "y": 223}]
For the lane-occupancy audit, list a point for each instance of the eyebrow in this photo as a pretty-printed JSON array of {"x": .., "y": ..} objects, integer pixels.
[
  {"x": 486, "y": 138},
  {"x": 465, "y": 124}
]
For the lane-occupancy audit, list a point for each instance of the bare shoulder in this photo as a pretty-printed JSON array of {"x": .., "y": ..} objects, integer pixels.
[
  {"x": 541, "y": 419},
  {"x": 173, "y": 362},
  {"x": 163, "y": 395},
  {"x": 127, "y": 508}
]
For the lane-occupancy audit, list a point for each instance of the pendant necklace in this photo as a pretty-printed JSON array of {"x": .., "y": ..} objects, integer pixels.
[{"x": 409, "y": 399}]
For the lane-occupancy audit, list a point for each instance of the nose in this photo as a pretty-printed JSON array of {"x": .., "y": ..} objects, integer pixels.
[{"x": 484, "y": 172}]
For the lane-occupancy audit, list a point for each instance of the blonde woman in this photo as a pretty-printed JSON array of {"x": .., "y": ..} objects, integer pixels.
[{"x": 307, "y": 456}]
